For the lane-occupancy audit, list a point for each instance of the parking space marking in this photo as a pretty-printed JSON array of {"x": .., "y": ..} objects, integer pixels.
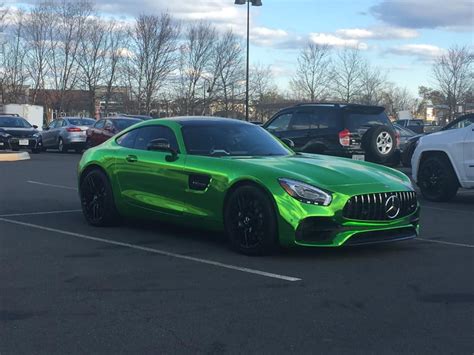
[
  {"x": 37, "y": 213},
  {"x": 447, "y": 243},
  {"x": 52, "y": 185},
  {"x": 155, "y": 251}
]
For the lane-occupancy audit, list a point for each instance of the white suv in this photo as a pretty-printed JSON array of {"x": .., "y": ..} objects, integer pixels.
[{"x": 444, "y": 161}]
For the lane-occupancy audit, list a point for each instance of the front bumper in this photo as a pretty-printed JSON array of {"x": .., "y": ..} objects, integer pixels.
[
  {"x": 319, "y": 226},
  {"x": 13, "y": 143}
]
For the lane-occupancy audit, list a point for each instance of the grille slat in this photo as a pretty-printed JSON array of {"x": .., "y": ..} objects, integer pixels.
[{"x": 372, "y": 206}]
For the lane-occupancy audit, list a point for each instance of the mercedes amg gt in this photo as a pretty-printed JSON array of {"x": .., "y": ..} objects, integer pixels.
[{"x": 235, "y": 177}]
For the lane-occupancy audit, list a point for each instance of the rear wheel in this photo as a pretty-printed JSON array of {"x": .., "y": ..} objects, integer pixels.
[
  {"x": 97, "y": 199},
  {"x": 61, "y": 146},
  {"x": 437, "y": 179},
  {"x": 250, "y": 221}
]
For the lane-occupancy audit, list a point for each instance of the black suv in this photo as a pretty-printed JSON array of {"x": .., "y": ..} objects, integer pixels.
[{"x": 347, "y": 130}]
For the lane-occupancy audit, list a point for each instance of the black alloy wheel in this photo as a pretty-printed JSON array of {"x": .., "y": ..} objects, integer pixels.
[
  {"x": 437, "y": 180},
  {"x": 97, "y": 200},
  {"x": 250, "y": 221}
]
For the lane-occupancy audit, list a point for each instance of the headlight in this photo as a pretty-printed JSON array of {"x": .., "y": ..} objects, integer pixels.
[{"x": 305, "y": 193}]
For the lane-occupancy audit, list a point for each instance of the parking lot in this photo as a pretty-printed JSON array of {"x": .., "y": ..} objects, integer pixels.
[{"x": 155, "y": 288}]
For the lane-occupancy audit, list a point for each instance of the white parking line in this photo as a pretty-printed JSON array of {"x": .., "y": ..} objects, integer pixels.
[
  {"x": 52, "y": 185},
  {"x": 155, "y": 251},
  {"x": 447, "y": 243},
  {"x": 37, "y": 213}
]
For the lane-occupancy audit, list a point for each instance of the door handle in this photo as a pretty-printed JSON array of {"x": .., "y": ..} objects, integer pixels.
[{"x": 131, "y": 158}]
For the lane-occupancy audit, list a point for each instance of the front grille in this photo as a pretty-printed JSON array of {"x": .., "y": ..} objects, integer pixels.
[
  {"x": 382, "y": 236},
  {"x": 381, "y": 206}
]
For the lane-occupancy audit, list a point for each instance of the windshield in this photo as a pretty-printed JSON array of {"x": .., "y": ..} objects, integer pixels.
[
  {"x": 121, "y": 124},
  {"x": 231, "y": 140},
  {"x": 81, "y": 121},
  {"x": 14, "y": 122}
]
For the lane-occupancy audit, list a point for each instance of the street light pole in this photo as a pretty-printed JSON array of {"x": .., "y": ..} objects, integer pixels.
[{"x": 254, "y": 3}]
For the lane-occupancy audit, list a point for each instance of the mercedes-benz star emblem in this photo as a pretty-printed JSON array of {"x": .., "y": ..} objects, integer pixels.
[{"x": 392, "y": 207}]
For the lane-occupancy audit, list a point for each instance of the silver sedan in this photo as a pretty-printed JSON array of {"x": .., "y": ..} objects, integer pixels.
[{"x": 66, "y": 133}]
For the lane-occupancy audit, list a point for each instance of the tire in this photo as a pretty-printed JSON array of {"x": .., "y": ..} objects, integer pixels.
[
  {"x": 61, "y": 146},
  {"x": 97, "y": 199},
  {"x": 250, "y": 221},
  {"x": 380, "y": 144},
  {"x": 437, "y": 179}
]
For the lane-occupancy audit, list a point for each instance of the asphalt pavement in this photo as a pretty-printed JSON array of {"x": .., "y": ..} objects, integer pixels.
[{"x": 67, "y": 287}]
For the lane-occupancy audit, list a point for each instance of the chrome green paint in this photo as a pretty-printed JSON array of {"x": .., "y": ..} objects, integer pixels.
[{"x": 155, "y": 188}]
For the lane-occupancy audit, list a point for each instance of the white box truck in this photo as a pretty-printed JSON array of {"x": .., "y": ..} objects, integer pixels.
[{"x": 32, "y": 113}]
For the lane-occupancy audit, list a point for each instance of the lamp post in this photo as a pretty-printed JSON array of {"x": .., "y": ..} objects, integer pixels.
[{"x": 254, "y": 3}]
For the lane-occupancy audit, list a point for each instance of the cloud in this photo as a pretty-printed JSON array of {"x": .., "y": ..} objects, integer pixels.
[
  {"x": 424, "y": 52},
  {"x": 267, "y": 37},
  {"x": 377, "y": 33},
  {"x": 448, "y": 14},
  {"x": 336, "y": 41}
]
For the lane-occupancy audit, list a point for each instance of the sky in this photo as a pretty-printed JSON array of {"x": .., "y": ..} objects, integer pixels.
[{"x": 401, "y": 37}]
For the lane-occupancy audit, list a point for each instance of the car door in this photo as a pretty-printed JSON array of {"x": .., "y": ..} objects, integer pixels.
[
  {"x": 147, "y": 179},
  {"x": 321, "y": 127},
  {"x": 96, "y": 132},
  {"x": 468, "y": 151},
  {"x": 47, "y": 134}
]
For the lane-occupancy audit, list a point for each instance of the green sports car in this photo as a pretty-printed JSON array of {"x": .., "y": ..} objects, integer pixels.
[{"x": 233, "y": 176}]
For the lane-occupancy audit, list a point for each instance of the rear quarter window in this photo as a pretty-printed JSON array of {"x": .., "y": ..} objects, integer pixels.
[{"x": 358, "y": 120}]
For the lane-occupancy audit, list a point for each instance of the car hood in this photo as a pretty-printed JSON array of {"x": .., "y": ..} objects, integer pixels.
[
  {"x": 19, "y": 132},
  {"x": 332, "y": 173}
]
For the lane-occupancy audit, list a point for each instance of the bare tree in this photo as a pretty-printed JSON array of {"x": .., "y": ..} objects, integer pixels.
[
  {"x": 93, "y": 49},
  {"x": 13, "y": 73},
  {"x": 37, "y": 28},
  {"x": 64, "y": 37},
  {"x": 153, "y": 58},
  {"x": 346, "y": 74},
  {"x": 226, "y": 67},
  {"x": 311, "y": 77},
  {"x": 117, "y": 41},
  {"x": 372, "y": 84},
  {"x": 454, "y": 76},
  {"x": 195, "y": 58},
  {"x": 397, "y": 99}
]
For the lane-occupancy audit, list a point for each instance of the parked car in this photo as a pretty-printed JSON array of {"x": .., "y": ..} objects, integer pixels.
[
  {"x": 234, "y": 176},
  {"x": 431, "y": 127},
  {"x": 405, "y": 136},
  {"x": 105, "y": 128},
  {"x": 354, "y": 131},
  {"x": 140, "y": 117},
  {"x": 17, "y": 133},
  {"x": 444, "y": 161},
  {"x": 460, "y": 122},
  {"x": 66, "y": 133},
  {"x": 417, "y": 126}
]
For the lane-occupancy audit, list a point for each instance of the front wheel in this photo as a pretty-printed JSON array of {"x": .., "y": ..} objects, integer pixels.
[
  {"x": 437, "y": 179},
  {"x": 250, "y": 221},
  {"x": 97, "y": 200}
]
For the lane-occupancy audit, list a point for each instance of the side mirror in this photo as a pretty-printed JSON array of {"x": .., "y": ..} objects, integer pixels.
[
  {"x": 288, "y": 142},
  {"x": 35, "y": 126},
  {"x": 163, "y": 145}
]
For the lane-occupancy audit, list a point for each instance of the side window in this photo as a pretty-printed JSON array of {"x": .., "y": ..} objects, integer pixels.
[
  {"x": 301, "y": 121},
  {"x": 280, "y": 123},
  {"x": 53, "y": 124},
  {"x": 127, "y": 140},
  {"x": 100, "y": 124},
  {"x": 108, "y": 125},
  {"x": 149, "y": 133},
  {"x": 64, "y": 123}
]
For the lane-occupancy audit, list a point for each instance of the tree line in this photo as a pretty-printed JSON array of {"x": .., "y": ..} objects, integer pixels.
[{"x": 62, "y": 45}]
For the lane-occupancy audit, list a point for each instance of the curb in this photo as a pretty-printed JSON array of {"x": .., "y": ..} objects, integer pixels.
[{"x": 14, "y": 156}]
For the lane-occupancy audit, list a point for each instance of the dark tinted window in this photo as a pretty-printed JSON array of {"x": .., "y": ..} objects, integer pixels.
[
  {"x": 356, "y": 120},
  {"x": 149, "y": 133},
  {"x": 231, "y": 139},
  {"x": 121, "y": 124},
  {"x": 461, "y": 123},
  {"x": 140, "y": 138},
  {"x": 300, "y": 121},
  {"x": 12, "y": 121},
  {"x": 81, "y": 121},
  {"x": 316, "y": 119},
  {"x": 100, "y": 124},
  {"x": 280, "y": 123}
]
